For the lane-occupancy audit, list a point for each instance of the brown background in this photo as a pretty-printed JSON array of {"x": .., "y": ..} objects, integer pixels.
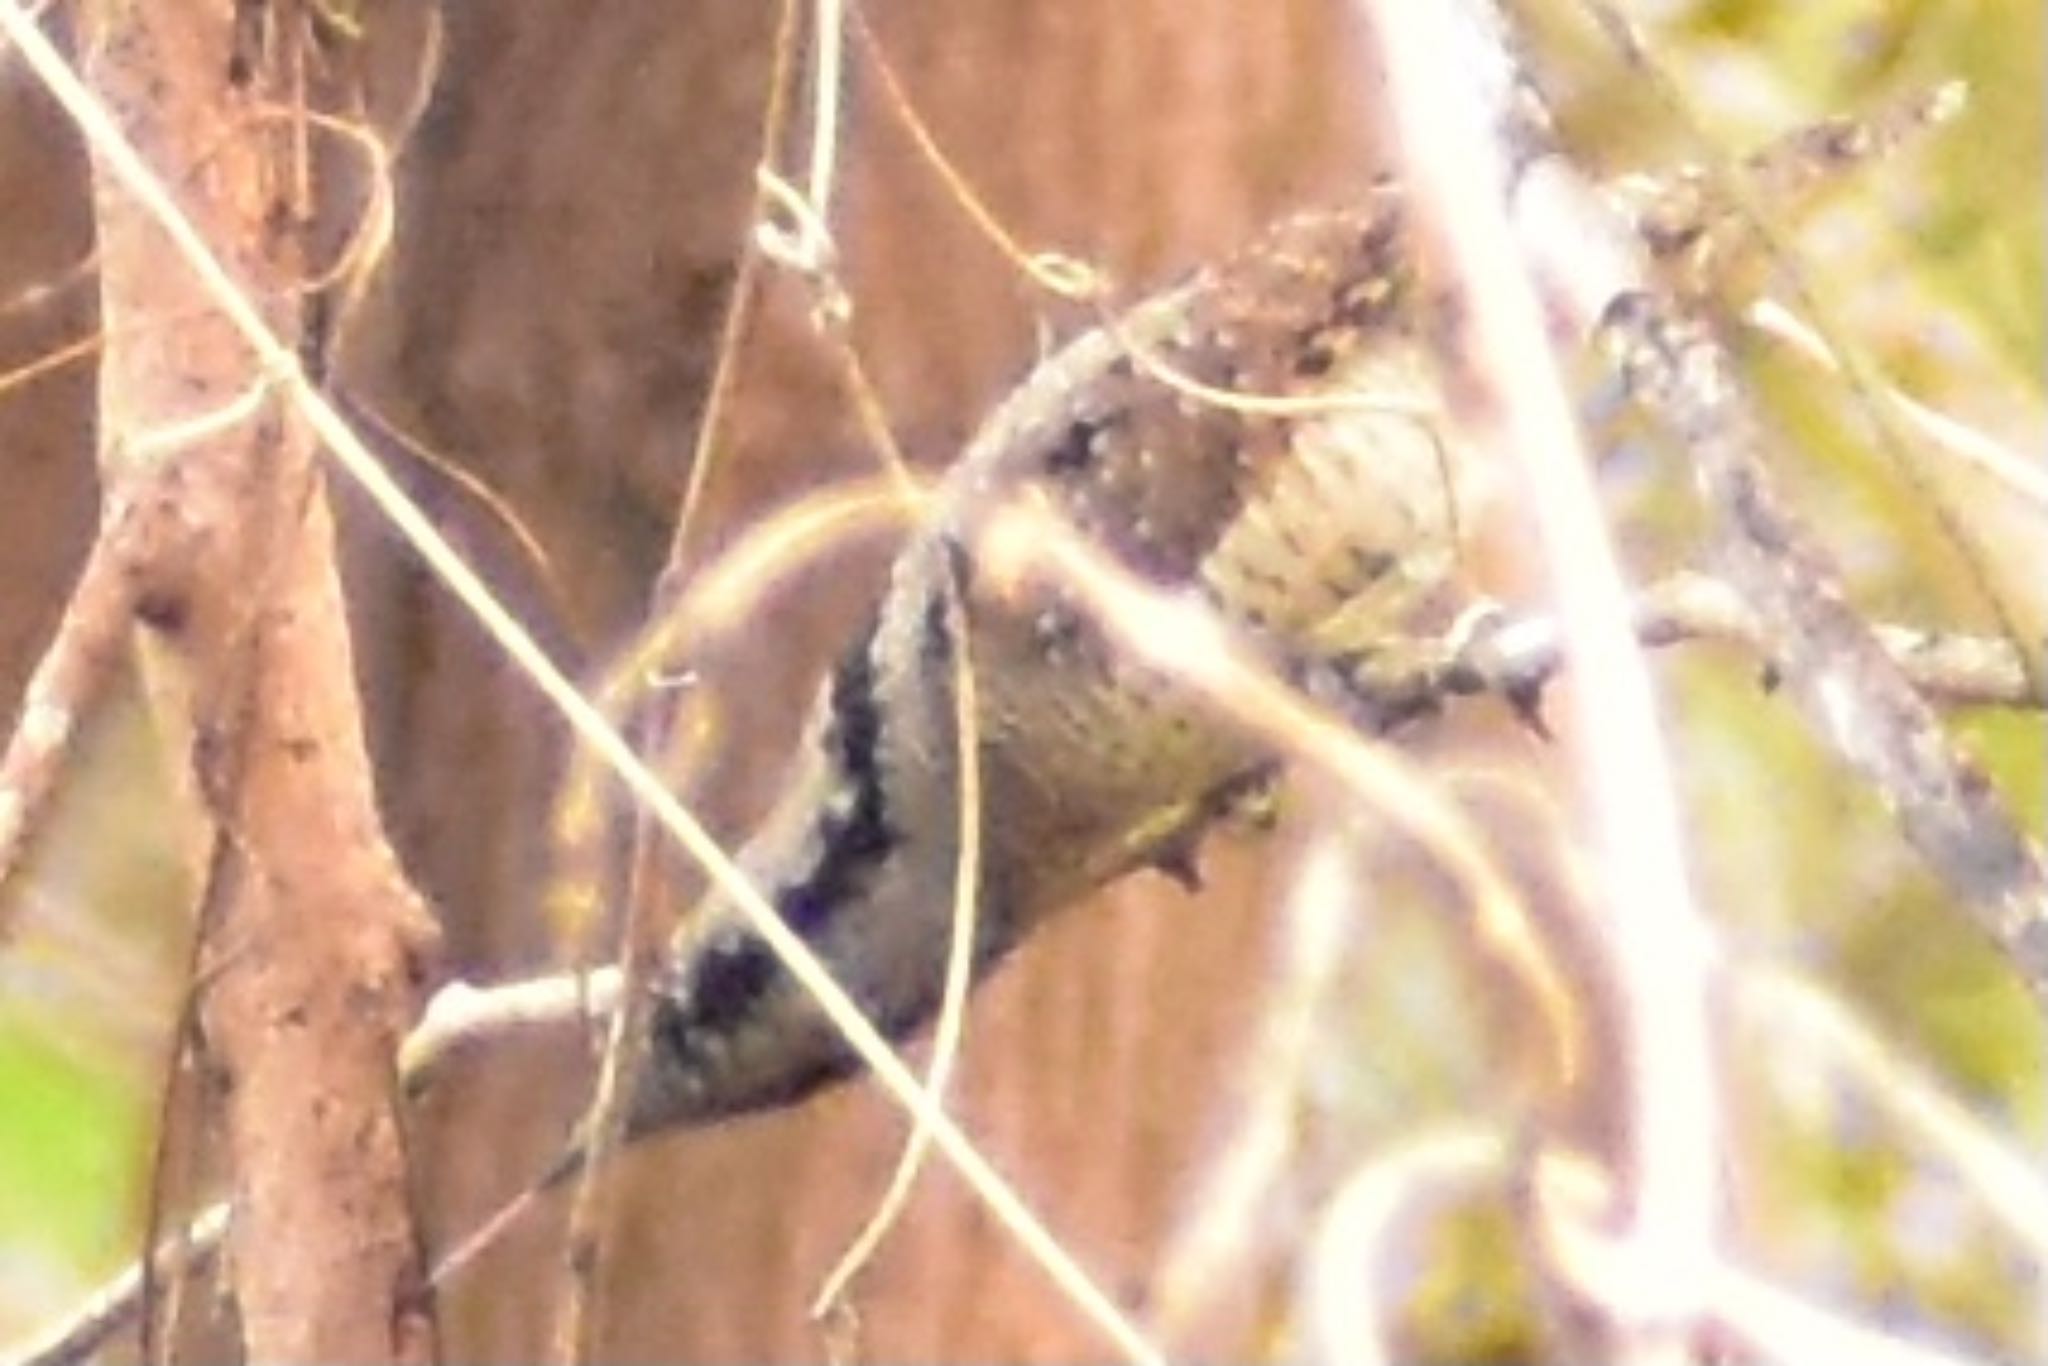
[{"x": 570, "y": 207}]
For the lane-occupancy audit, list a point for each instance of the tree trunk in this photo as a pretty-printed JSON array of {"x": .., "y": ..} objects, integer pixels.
[{"x": 578, "y": 194}]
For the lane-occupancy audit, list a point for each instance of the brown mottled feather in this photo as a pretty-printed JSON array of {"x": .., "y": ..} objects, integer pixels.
[{"x": 1290, "y": 526}]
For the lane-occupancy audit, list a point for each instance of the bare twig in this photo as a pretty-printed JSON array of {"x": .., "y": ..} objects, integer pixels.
[
  {"x": 1366, "y": 1216},
  {"x": 461, "y": 1016},
  {"x": 90, "y": 640},
  {"x": 2023, "y": 474},
  {"x": 603, "y": 1126},
  {"x": 812, "y": 253},
  {"x": 959, "y": 977},
  {"x": 111, "y": 1308},
  {"x": 1023, "y": 544},
  {"x": 1230, "y": 1209},
  {"x": 706, "y": 450},
  {"x": 1743, "y": 203},
  {"x": 1767, "y": 1319},
  {"x": 1516, "y": 656},
  {"x": 1506, "y": 381},
  {"x": 1396, "y": 1186},
  {"x": 1829, "y": 659},
  {"x": 126, "y": 167},
  {"x": 217, "y": 528},
  {"x": 810, "y": 243},
  {"x": 1810, "y": 1030}
]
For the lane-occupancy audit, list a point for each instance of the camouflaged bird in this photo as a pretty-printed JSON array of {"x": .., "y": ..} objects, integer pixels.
[
  {"x": 1320, "y": 535},
  {"x": 1312, "y": 534}
]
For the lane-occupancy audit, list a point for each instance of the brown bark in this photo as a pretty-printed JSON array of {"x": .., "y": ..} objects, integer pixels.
[
  {"x": 309, "y": 969},
  {"x": 612, "y": 159},
  {"x": 571, "y": 205},
  {"x": 45, "y": 303}
]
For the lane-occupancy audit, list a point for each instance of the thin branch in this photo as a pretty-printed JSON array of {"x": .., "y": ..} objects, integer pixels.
[
  {"x": 111, "y": 1308},
  {"x": 126, "y": 166},
  {"x": 1742, "y": 203},
  {"x": 1229, "y": 1209},
  {"x": 1808, "y": 1029},
  {"x": 1024, "y": 544},
  {"x": 1775, "y": 1323},
  {"x": 828, "y": 82},
  {"x": 603, "y": 1126},
  {"x": 813, "y": 255},
  {"x": 1516, "y": 656},
  {"x": 959, "y": 973},
  {"x": 1829, "y": 659},
  {"x": 91, "y": 639},
  {"x": 2020, "y": 473},
  {"x": 1364, "y": 1219},
  {"x": 217, "y": 527},
  {"x": 461, "y": 1016},
  {"x": 739, "y": 316},
  {"x": 1508, "y": 382}
]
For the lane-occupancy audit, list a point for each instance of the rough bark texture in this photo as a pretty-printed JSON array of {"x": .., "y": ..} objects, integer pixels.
[
  {"x": 573, "y": 205},
  {"x": 308, "y": 973},
  {"x": 570, "y": 208}
]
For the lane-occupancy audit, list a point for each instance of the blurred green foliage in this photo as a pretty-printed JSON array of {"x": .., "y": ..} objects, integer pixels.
[
  {"x": 88, "y": 990},
  {"x": 1930, "y": 266},
  {"x": 68, "y": 1146},
  {"x": 1933, "y": 266}
]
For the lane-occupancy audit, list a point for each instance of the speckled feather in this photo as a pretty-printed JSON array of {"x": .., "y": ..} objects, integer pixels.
[{"x": 1306, "y": 532}]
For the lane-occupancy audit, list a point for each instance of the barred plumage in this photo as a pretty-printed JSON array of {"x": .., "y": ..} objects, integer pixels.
[{"x": 1309, "y": 530}]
